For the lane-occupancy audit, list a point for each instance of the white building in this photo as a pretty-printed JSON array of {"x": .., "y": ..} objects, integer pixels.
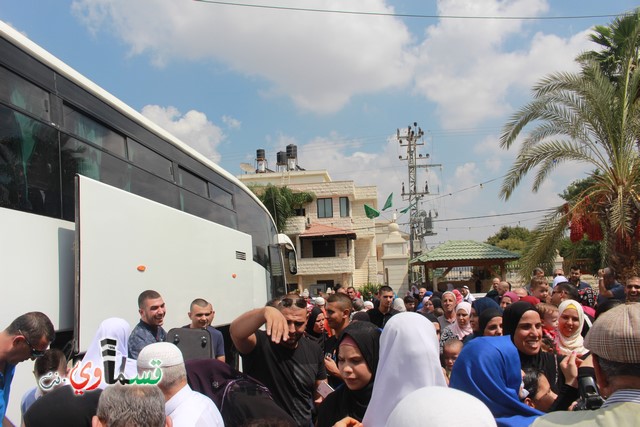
[{"x": 336, "y": 242}]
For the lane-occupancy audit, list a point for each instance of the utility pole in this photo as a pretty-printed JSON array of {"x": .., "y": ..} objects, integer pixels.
[{"x": 419, "y": 224}]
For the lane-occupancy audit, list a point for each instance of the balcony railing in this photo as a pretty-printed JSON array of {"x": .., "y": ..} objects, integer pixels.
[{"x": 326, "y": 265}]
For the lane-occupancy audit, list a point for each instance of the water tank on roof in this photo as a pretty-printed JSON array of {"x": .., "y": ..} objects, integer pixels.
[
  {"x": 292, "y": 151},
  {"x": 260, "y": 154},
  {"x": 281, "y": 158}
]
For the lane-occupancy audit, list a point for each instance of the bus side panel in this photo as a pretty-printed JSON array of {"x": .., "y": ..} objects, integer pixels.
[
  {"x": 129, "y": 244},
  {"x": 36, "y": 267},
  {"x": 36, "y": 273}
]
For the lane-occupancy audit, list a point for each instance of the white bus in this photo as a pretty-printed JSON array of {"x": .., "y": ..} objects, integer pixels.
[{"x": 157, "y": 214}]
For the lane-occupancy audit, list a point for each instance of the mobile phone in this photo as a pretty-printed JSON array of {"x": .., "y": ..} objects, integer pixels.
[{"x": 324, "y": 389}]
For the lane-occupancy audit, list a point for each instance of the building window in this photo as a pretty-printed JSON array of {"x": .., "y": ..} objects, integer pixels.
[
  {"x": 325, "y": 208},
  {"x": 344, "y": 206},
  {"x": 324, "y": 248}
]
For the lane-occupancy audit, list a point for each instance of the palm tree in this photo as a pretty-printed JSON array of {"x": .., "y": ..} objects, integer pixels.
[
  {"x": 589, "y": 118},
  {"x": 615, "y": 40},
  {"x": 281, "y": 202}
]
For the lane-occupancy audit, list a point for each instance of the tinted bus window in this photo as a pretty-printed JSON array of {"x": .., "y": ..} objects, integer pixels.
[
  {"x": 81, "y": 158},
  {"x": 205, "y": 208},
  {"x": 150, "y": 160},
  {"x": 29, "y": 170},
  {"x": 92, "y": 131},
  {"x": 253, "y": 220},
  {"x": 24, "y": 95},
  {"x": 192, "y": 182},
  {"x": 151, "y": 187},
  {"x": 220, "y": 196}
]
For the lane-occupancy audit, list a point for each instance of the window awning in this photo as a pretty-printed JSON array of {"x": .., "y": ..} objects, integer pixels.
[{"x": 321, "y": 230}]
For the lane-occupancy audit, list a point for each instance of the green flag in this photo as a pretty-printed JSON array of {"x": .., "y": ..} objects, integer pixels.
[
  {"x": 405, "y": 210},
  {"x": 388, "y": 203},
  {"x": 370, "y": 212}
]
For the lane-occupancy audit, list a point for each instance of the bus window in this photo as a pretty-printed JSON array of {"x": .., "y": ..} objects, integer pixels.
[
  {"x": 92, "y": 131},
  {"x": 205, "y": 208},
  {"x": 220, "y": 196},
  {"x": 81, "y": 158},
  {"x": 28, "y": 164},
  {"x": 254, "y": 220},
  {"x": 150, "y": 160},
  {"x": 24, "y": 95},
  {"x": 151, "y": 187},
  {"x": 192, "y": 182}
]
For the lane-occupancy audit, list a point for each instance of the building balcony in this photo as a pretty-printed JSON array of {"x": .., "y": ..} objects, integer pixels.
[{"x": 326, "y": 265}]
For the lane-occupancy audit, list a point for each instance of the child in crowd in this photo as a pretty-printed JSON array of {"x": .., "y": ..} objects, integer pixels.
[
  {"x": 539, "y": 393},
  {"x": 549, "y": 314},
  {"x": 450, "y": 352}
]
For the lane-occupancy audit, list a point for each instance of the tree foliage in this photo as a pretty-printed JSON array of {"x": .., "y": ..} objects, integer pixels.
[
  {"x": 506, "y": 232},
  {"x": 590, "y": 117},
  {"x": 281, "y": 202}
]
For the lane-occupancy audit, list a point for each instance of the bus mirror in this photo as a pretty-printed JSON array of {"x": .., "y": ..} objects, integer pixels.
[{"x": 293, "y": 264}]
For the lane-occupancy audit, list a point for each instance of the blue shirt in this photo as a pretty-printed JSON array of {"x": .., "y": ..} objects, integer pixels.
[
  {"x": 27, "y": 400},
  {"x": 618, "y": 293},
  {"x": 5, "y": 387},
  {"x": 143, "y": 335}
]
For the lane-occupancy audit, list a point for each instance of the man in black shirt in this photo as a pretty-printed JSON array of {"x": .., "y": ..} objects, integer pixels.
[
  {"x": 291, "y": 367},
  {"x": 380, "y": 315}
]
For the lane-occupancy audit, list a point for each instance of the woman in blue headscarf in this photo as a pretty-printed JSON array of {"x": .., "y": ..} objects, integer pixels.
[{"x": 489, "y": 369}]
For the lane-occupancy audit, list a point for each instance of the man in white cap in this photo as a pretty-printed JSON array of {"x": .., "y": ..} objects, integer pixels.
[
  {"x": 186, "y": 407},
  {"x": 614, "y": 341},
  {"x": 466, "y": 294}
]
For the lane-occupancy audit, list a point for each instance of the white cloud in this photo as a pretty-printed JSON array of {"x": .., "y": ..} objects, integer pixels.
[
  {"x": 467, "y": 68},
  {"x": 193, "y": 128},
  {"x": 319, "y": 60},
  {"x": 231, "y": 122}
]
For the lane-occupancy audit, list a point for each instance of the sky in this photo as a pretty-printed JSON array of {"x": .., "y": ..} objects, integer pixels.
[{"x": 229, "y": 79}]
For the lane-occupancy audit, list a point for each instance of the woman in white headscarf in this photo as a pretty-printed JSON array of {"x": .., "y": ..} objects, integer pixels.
[
  {"x": 460, "y": 328},
  {"x": 117, "y": 329},
  {"x": 446, "y": 404},
  {"x": 570, "y": 323},
  {"x": 398, "y": 305},
  {"x": 409, "y": 360}
]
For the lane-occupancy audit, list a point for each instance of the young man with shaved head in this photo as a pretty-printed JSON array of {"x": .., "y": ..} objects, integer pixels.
[{"x": 201, "y": 314}]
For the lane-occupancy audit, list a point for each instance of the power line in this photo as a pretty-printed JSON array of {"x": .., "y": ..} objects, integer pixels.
[
  {"x": 410, "y": 15},
  {"x": 494, "y": 215},
  {"x": 480, "y": 185}
]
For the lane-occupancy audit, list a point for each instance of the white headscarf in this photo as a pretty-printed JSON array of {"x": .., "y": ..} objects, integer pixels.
[
  {"x": 575, "y": 342},
  {"x": 119, "y": 330},
  {"x": 455, "y": 327},
  {"x": 398, "y": 304},
  {"x": 440, "y": 407},
  {"x": 409, "y": 360}
]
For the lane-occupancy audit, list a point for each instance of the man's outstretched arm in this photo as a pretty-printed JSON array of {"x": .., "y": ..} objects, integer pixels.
[{"x": 243, "y": 329}]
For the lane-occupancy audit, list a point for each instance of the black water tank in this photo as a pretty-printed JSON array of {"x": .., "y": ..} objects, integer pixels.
[
  {"x": 292, "y": 151},
  {"x": 260, "y": 154},
  {"x": 281, "y": 158}
]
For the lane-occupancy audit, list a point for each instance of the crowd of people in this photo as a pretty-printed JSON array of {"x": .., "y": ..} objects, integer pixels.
[{"x": 546, "y": 354}]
